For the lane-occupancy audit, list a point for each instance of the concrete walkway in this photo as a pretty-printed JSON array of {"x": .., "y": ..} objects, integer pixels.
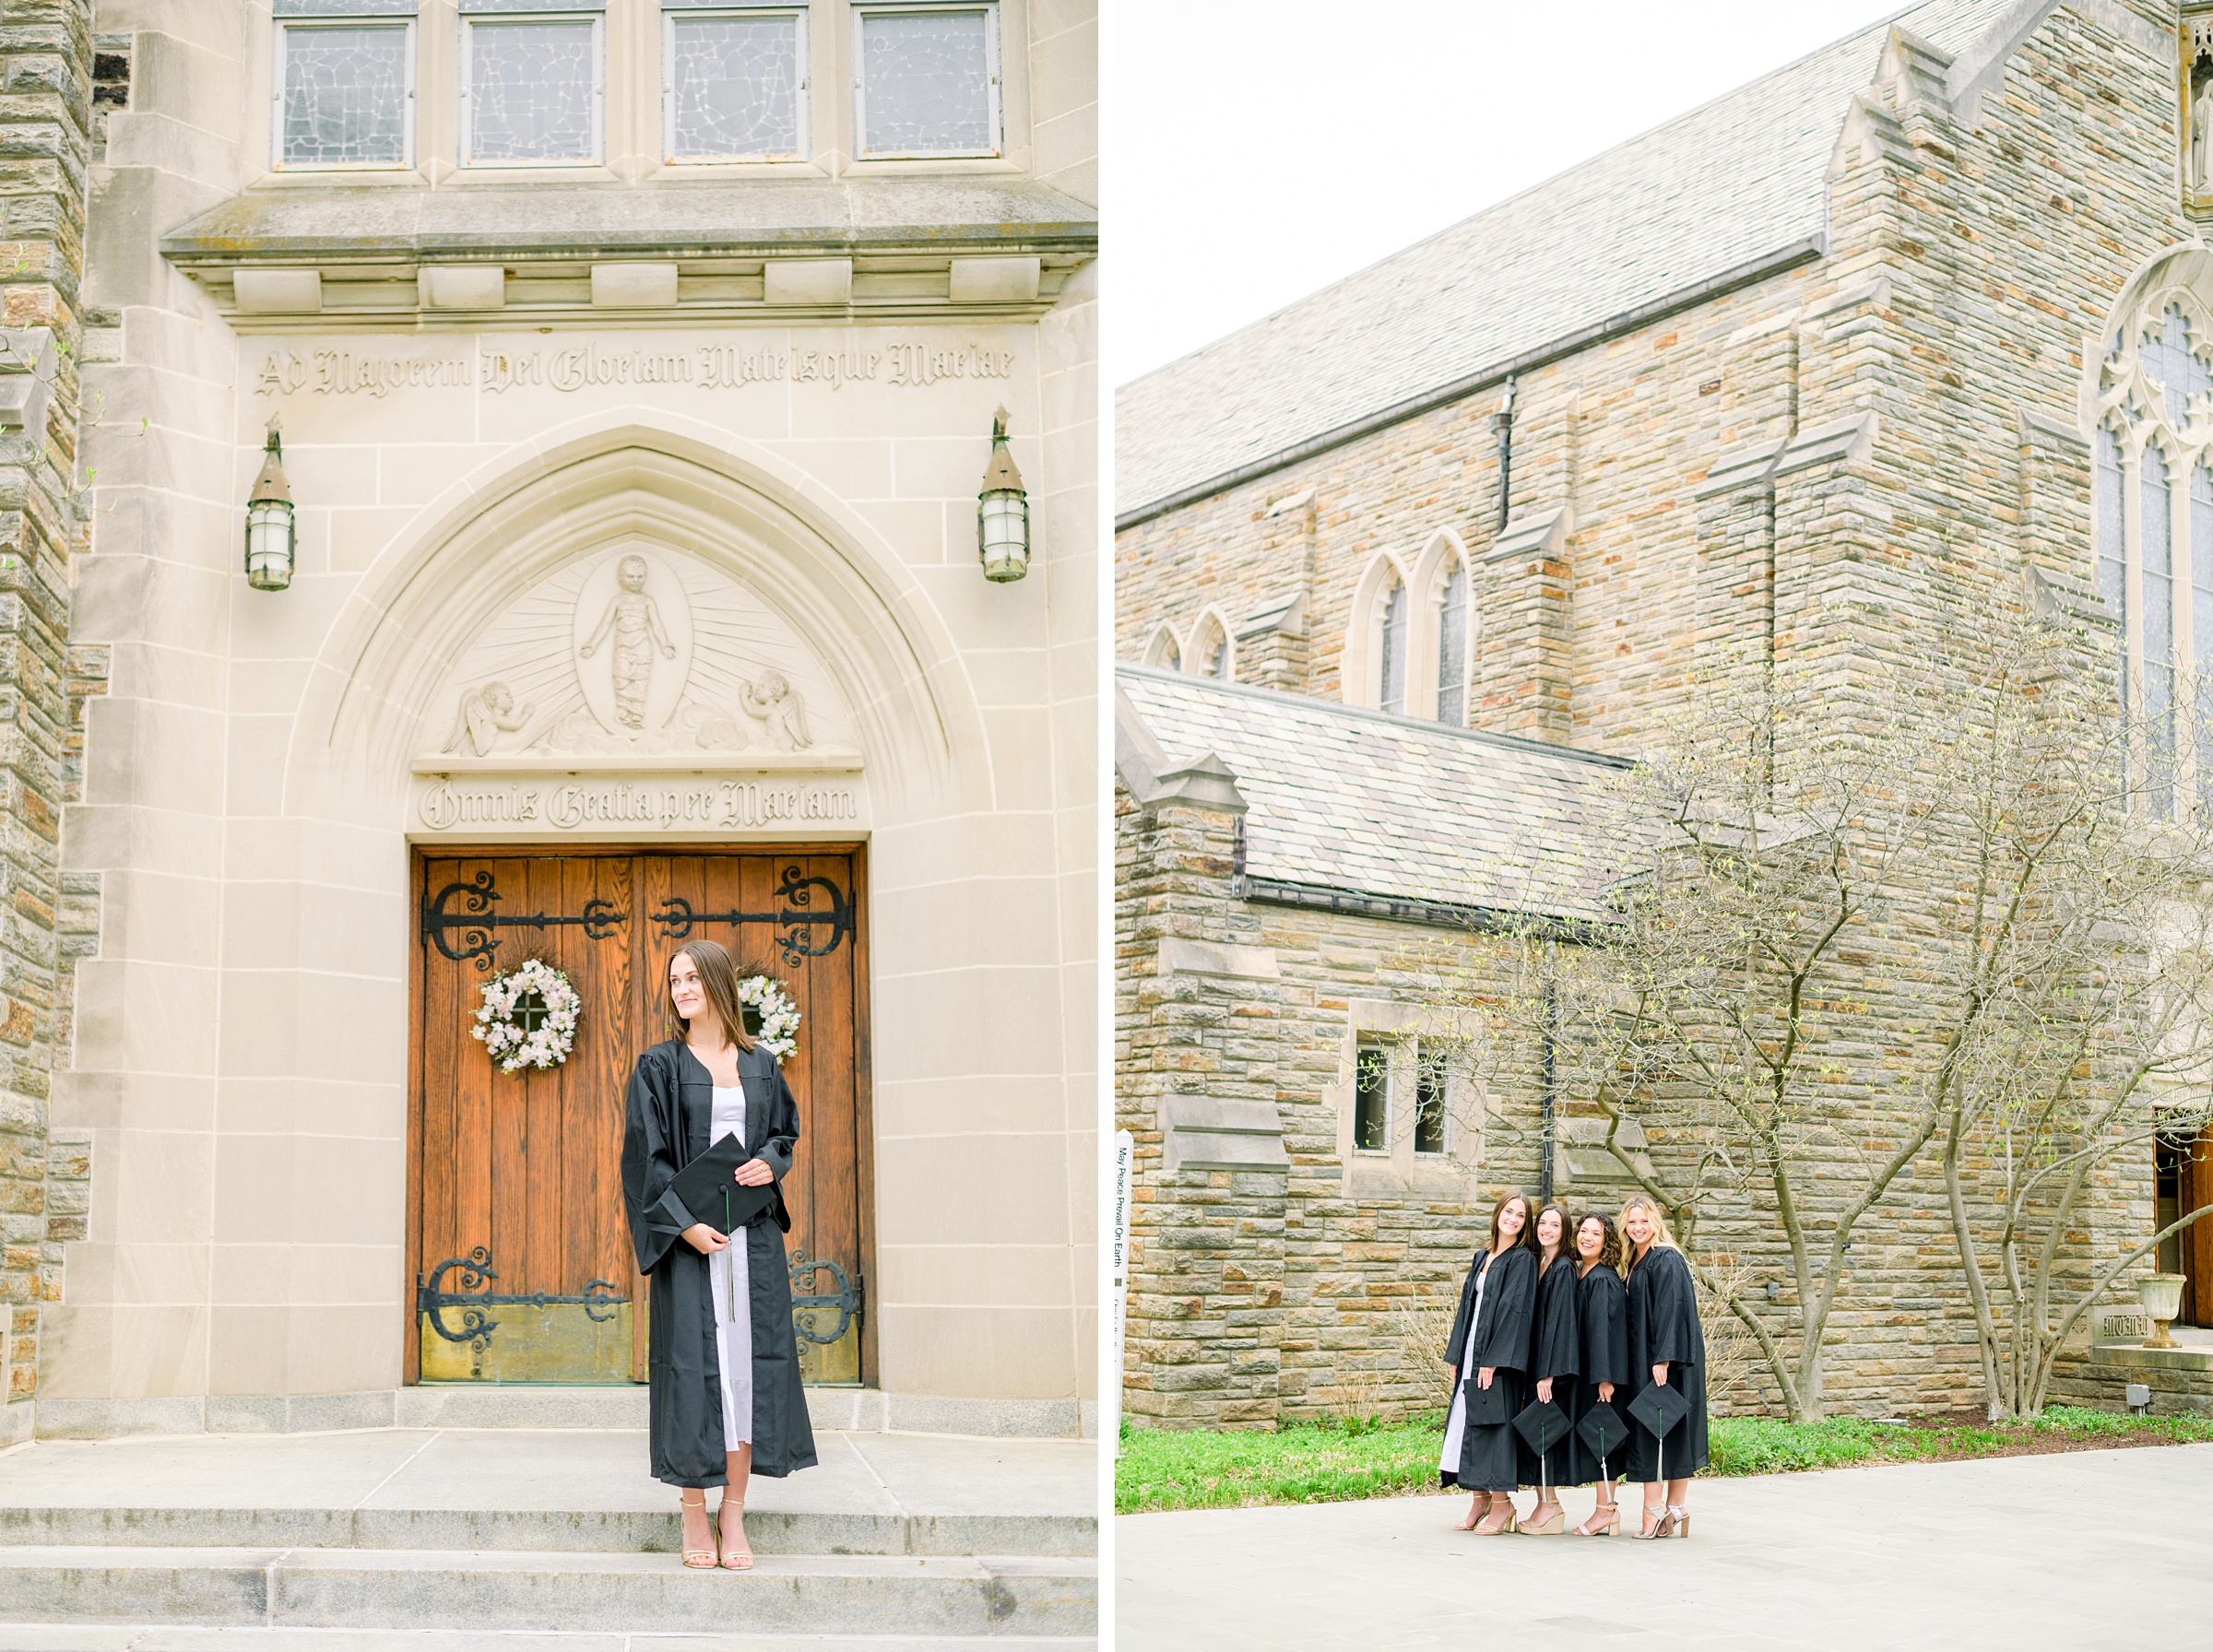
[{"x": 2085, "y": 1550}]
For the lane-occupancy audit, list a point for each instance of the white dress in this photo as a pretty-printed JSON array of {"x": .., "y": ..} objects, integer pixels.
[
  {"x": 1447, "y": 1461},
  {"x": 732, "y": 1278}
]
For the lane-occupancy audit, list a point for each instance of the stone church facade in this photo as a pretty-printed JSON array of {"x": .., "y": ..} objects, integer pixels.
[
  {"x": 1419, "y": 557},
  {"x": 634, "y": 372}
]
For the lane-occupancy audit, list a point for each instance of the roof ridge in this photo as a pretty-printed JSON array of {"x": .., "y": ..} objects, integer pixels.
[{"x": 1311, "y": 703}]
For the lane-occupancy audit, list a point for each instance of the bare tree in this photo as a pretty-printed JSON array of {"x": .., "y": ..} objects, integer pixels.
[{"x": 1832, "y": 920}]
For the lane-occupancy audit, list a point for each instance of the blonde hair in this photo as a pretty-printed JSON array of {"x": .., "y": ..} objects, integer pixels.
[
  {"x": 1662, "y": 1238},
  {"x": 718, "y": 979}
]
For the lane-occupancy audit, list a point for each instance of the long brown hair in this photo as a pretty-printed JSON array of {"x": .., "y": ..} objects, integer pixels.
[
  {"x": 1610, "y": 1248},
  {"x": 1566, "y": 1250},
  {"x": 1527, "y": 1237},
  {"x": 718, "y": 979}
]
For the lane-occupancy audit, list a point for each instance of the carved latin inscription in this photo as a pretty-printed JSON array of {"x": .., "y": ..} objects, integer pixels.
[{"x": 673, "y": 806}]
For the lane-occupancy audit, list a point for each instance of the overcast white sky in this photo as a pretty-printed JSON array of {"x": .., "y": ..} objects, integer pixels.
[{"x": 1256, "y": 150}]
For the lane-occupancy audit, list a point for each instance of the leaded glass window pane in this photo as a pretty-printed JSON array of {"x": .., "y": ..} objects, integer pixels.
[
  {"x": 2174, "y": 366},
  {"x": 735, "y": 88},
  {"x": 2158, "y": 627},
  {"x": 343, "y": 100},
  {"x": 1371, "y": 1102},
  {"x": 925, "y": 82},
  {"x": 1452, "y": 650},
  {"x": 533, "y": 91},
  {"x": 1393, "y": 678},
  {"x": 2112, "y": 550},
  {"x": 1429, "y": 1103},
  {"x": 2201, "y": 621}
]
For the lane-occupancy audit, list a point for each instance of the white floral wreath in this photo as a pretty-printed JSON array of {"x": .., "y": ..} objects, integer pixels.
[
  {"x": 779, "y": 1015},
  {"x": 511, "y": 1044}
]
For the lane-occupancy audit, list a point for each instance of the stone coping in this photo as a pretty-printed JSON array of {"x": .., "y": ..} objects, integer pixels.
[
  {"x": 521, "y": 1407},
  {"x": 573, "y": 222},
  {"x": 2151, "y": 1359}
]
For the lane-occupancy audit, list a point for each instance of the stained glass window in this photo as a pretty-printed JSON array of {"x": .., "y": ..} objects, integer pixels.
[
  {"x": 342, "y": 94},
  {"x": 1392, "y": 679},
  {"x": 1452, "y": 649},
  {"x": 929, "y": 82},
  {"x": 736, "y": 87},
  {"x": 533, "y": 91}
]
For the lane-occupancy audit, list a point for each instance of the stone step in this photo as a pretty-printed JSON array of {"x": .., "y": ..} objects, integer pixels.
[
  {"x": 138, "y": 1638},
  {"x": 513, "y": 1590},
  {"x": 595, "y": 1531}
]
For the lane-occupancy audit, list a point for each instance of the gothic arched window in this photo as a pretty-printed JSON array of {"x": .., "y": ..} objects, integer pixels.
[
  {"x": 1164, "y": 650},
  {"x": 1210, "y": 648},
  {"x": 2152, "y": 523}
]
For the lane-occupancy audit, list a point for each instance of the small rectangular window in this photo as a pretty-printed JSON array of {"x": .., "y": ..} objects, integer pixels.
[
  {"x": 733, "y": 84},
  {"x": 926, "y": 82},
  {"x": 1371, "y": 1101},
  {"x": 532, "y": 84},
  {"x": 1431, "y": 1074},
  {"x": 344, "y": 84}
]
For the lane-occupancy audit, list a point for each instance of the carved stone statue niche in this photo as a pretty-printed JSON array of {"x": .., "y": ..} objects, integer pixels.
[{"x": 2197, "y": 125}]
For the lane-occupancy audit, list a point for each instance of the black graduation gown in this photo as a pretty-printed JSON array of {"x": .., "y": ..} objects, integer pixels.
[
  {"x": 1501, "y": 1337},
  {"x": 1663, "y": 1330},
  {"x": 1555, "y": 1350},
  {"x": 1602, "y": 1307},
  {"x": 665, "y": 1127}
]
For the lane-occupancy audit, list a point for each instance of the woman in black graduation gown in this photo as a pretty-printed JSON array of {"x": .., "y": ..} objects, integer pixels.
[
  {"x": 1554, "y": 1356},
  {"x": 1665, "y": 1345},
  {"x": 1490, "y": 1346},
  {"x": 1603, "y": 1315},
  {"x": 706, "y": 1080}
]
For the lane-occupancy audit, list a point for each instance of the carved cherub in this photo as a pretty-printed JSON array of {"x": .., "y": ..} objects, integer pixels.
[
  {"x": 485, "y": 714},
  {"x": 636, "y": 622},
  {"x": 776, "y": 702}
]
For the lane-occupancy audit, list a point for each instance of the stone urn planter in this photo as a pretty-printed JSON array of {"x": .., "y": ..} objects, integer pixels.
[{"x": 2161, "y": 1295}]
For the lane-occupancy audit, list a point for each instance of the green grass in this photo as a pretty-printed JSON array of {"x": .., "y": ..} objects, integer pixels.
[{"x": 1303, "y": 1462}]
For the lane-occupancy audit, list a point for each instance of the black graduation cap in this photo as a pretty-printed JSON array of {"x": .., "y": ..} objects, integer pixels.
[
  {"x": 1542, "y": 1425},
  {"x": 1602, "y": 1430},
  {"x": 708, "y": 1188},
  {"x": 1485, "y": 1406},
  {"x": 1660, "y": 1406}
]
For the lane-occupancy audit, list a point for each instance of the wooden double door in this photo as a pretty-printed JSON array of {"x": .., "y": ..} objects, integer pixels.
[{"x": 517, "y": 1239}]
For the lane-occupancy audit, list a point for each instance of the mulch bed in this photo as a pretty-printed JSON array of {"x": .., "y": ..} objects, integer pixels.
[{"x": 2018, "y": 1442}]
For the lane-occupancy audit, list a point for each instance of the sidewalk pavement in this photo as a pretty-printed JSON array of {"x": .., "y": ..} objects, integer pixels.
[
  {"x": 516, "y": 1469},
  {"x": 2085, "y": 1551}
]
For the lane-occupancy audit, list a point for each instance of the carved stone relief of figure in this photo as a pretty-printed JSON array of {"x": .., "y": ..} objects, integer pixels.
[
  {"x": 773, "y": 700},
  {"x": 2201, "y": 138},
  {"x": 635, "y": 622},
  {"x": 485, "y": 713}
]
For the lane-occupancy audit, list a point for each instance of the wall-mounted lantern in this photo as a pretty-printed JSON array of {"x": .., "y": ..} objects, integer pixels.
[
  {"x": 1003, "y": 512},
  {"x": 270, "y": 522}
]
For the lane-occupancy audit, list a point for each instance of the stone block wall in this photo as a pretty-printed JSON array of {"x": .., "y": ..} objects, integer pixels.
[{"x": 1804, "y": 470}]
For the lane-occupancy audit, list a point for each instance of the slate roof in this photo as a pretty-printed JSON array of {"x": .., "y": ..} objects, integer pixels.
[
  {"x": 1728, "y": 186},
  {"x": 1341, "y": 799}
]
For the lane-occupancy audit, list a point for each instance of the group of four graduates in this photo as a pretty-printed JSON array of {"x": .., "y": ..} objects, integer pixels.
[{"x": 1558, "y": 1312}]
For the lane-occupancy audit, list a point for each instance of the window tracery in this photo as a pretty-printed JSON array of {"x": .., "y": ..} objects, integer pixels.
[{"x": 2152, "y": 507}]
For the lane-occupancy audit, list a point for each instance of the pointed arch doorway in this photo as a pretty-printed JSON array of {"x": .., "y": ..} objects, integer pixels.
[{"x": 517, "y": 1243}]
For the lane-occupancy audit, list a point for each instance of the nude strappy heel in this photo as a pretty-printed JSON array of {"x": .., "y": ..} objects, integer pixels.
[
  {"x": 733, "y": 1559},
  {"x": 1513, "y": 1522},
  {"x": 1611, "y": 1529},
  {"x": 1472, "y": 1521},
  {"x": 1655, "y": 1524},
  {"x": 701, "y": 1560}
]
